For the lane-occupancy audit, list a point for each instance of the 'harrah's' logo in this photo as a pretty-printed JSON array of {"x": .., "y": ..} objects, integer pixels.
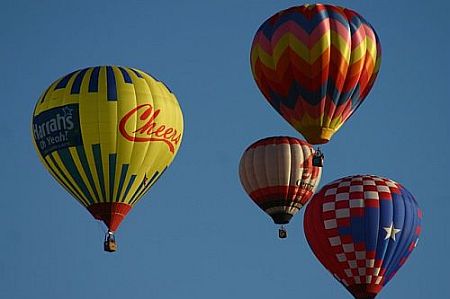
[
  {"x": 150, "y": 130},
  {"x": 57, "y": 128}
]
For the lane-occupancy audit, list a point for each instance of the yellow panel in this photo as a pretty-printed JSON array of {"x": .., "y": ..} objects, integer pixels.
[
  {"x": 89, "y": 111},
  {"x": 141, "y": 128},
  {"x": 53, "y": 170},
  {"x": 63, "y": 168},
  {"x": 80, "y": 169}
]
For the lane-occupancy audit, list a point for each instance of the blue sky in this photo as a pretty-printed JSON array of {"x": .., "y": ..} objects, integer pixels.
[{"x": 196, "y": 234}]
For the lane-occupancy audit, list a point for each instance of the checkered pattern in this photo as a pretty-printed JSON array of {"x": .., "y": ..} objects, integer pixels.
[{"x": 347, "y": 225}]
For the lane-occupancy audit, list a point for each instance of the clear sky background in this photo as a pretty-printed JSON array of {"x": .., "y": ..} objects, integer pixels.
[{"x": 196, "y": 234}]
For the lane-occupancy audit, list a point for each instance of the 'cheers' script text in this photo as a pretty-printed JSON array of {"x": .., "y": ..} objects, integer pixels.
[{"x": 150, "y": 130}]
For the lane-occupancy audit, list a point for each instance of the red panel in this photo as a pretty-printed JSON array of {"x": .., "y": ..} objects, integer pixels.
[
  {"x": 111, "y": 213},
  {"x": 288, "y": 193},
  {"x": 364, "y": 291}
]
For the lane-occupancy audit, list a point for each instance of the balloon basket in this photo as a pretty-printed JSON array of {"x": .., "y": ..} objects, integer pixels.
[
  {"x": 110, "y": 245},
  {"x": 282, "y": 233},
  {"x": 318, "y": 158}
]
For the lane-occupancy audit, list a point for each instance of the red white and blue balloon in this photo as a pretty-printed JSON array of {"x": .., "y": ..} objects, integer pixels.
[{"x": 363, "y": 228}]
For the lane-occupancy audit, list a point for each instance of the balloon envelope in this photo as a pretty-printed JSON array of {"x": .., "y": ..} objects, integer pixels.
[
  {"x": 363, "y": 228},
  {"x": 278, "y": 175},
  {"x": 315, "y": 64},
  {"x": 106, "y": 134}
]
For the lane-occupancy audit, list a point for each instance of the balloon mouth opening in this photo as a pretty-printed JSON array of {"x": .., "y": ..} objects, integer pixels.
[
  {"x": 111, "y": 213},
  {"x": 365, "y": 291},
  {"x": 281, "y": 218},
  {"x": 317, "y": 135}
]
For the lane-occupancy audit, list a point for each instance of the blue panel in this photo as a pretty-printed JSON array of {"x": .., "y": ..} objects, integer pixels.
[
  {"x": 407, "y": 222},
  {"x": 372, "y": 220},
  {"x": 355, "y": 96},
  {"x": 77, "y": 82},
  {"x": 126, "y": 76},
  {"x": 111, "y": 84},
  {"x": 398, "y": 222},
  {"x": 358, "y": 229},
  {"x": 345, "y": 230},
  {"x": 64, "y": 81},
  {"x": 386, "y": 219},
  {"x": 307, "y": 24},
  {"x": 355, "y": 22},
  {"x": 136, "y": 72},
  {"x": 93, "y": 81},
  {"x": 45, "y": 95}
]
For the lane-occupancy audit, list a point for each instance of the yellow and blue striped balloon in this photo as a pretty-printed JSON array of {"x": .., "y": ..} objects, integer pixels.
[{"x": 107, "y": 134}]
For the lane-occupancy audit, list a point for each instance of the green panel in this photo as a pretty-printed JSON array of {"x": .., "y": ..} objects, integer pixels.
[
  {"x": 60, "y": 174},
  {"x": 112, "y": 175},
  {"x": 96, "y": 149},
  {"x": 87, "y": 170},
  {"x": 123, "y": 175},
  {"x": 140, "y": 192},
  {"x": 135, "y": 195},
  {"x": 67, "y": 160},
  {"x": 130, "y": 183}
]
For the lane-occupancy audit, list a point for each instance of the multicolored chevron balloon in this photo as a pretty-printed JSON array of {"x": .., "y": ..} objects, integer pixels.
[{"x": 315, "y": 64}]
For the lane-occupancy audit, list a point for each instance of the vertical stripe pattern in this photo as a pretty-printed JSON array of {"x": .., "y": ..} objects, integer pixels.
[
  {"x": 101, "y": 131},
  {"x": 278, "y": 175}
]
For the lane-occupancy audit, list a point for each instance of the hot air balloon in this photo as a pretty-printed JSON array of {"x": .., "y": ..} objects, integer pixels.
[
  {"x": 363, "y": 228},
  {"x": 107, "y": 134},
  {"x": 315, "y": 64},
  {"x": 278, "y": 175}
]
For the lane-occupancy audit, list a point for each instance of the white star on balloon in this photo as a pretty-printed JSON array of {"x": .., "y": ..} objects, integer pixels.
[{"x": 391, "y": 231}]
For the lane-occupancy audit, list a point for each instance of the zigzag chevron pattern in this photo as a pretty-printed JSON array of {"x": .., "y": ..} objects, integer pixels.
[{"x": 315, "y": 64}]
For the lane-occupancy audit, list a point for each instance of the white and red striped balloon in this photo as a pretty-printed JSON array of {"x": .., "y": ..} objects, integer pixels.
[{"x": 279, "y": 176}]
